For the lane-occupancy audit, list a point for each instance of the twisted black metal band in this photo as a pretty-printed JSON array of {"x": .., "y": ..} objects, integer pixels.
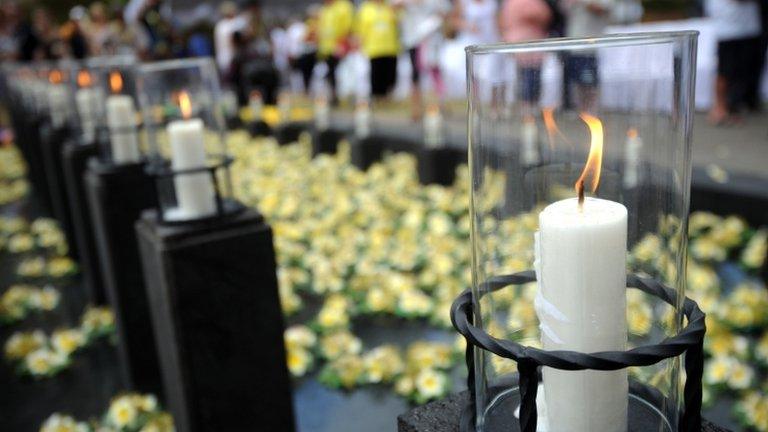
[{"x": 690, "y": 340}]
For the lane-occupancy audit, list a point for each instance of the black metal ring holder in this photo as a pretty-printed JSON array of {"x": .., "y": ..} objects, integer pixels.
[{"x": 690, "y": 340}]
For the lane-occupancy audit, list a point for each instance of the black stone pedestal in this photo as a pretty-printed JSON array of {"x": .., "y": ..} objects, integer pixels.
[
  {"x": 364, "y": 152},
  {"x": 326, "y": 141},
  {"x": 117, "y": 195},
  {"x": 259, "y": 128},
  {"x": 30, "y": 129},
  {"x": 233, "y": 122},
  {"x": 52, "y": 144},
  {"x": 438, "y": 165},
  {"x": 75, "y": 160},
  {"x": 217, "y": 319},
  {"x": 288, "y": 133},
  {"x": 444, "y": 415}
]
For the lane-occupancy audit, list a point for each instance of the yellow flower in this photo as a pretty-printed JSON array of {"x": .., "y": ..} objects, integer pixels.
[
  {"x": 700, "y": 221},
  {"x": 404, "y": 386},
  {"x": 160, "y": 423},
  {"x": 414, "y": 302},
  {"x": 706, "y": 249},
  {"x": 718, "y": 369},
  {"x": 19, "y": 345},
  {"x": 430, "y": 384},
  {"x": 348, "y": 368},
  {"x": 60, "y": 266},
  {"x": 379, "y": 300},
  {"x": 97, "y": 320},
  {"x": 383, "y": 363},
  {"x": 647, "y": 249},
  {"x": 43, "y": 361},
  {"x": 21, "y": 242},
  {"x": 299, "y": 360},
  {"x": 31, "y": 267},
  {"x": 122, "y": 412},
  {"x": 67, "y": 341},
  {"x": 299, "y": 336},
  {"x": 62, "y": 423},
  {"x": 754, "y": 253},
  {"x": 340, "y": 343},
  {"x": 741, "y": 376}
]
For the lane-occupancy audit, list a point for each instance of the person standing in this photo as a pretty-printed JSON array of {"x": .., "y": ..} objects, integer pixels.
[
  {"x": 335, "y": 21},
  {"x": 737, "y": 23},
  {"x": 522, "y": 20},
  {"x": 223, "y": 35},
  {"x": 379, "y": 41},
  {"x": 421, "y": 22},
  {"x": 584, "y": 18},
  {"x": 302, "y": 47}
]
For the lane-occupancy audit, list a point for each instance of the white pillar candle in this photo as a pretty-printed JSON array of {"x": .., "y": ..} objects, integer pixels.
[
  {"x": 433, "y": 128},
  {"x": 581, "y": 304},
  {"x": 195, "y": 195},
  {"x": 59, "y": 105},
  {"x": 284, "y": 106},
  {"x": 257, "y": 106},
  {"x": 121, "y": 120},
  {"x": 362, "y": 121},
  {"x": 631, "y": 159},
  {"x": 87, "y": 109},
  {"x": 322, "y": 114},
  {"x": 529, "y": 152}
]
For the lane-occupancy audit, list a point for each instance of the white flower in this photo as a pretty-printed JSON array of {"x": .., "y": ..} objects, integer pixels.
[
  {"x": 122, "y": 412},
  {"x": 430, "y": 384},
  {"x": 741, "y": 376}
]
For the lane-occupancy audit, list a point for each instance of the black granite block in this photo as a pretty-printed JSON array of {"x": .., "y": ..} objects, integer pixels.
[
  {"x": 443, "y": 416},
  {"x": 53, "y": 160},
  {"x": 367, "y": 151},
  {"x": 288, "y": 133},
  {"x": 75, "y": 160},
  {"x": 31, "y": 131},
  {"x": 259, "y": 128},
  {"x": 117, "y": 195},
  {"x": 326, "y": 141},
  {"x": 217, "y": 320},
  {"x": 438, "y": 165}
]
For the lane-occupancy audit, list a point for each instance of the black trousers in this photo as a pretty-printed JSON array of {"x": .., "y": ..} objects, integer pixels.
[
  {"x": 737, "y": 60},
  {"x": 305, "y": 64}
]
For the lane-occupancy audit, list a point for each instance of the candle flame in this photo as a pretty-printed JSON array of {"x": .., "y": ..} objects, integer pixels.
[
  {"x": 55, "y": 77},
  {"x": 548, "y": 115},
  {"x": 84, "y": 79},
  {"x": 255, "y": 95},
  {"x": 433, "y": 109},
  {"x": 595, "y": 157},
  {"x": 632, "y": 133},
  {"x": 185, "y": 104},
  {"x": 115, "y": 82}
]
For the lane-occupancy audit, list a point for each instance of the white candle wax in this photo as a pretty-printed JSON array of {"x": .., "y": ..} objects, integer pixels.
[
  {"x": 322, "y": 115},
  {"x": 631, "y": 160},
  {"x": 121, "y": 118},
  {"x": 581, "y": 305},
  {"x": 57, "y": 99},
  {"x": 529, "y": 152},
  {"x": 433, "y": 129},
  {"x": 257, "y": 107},
  {"x": 362, "y": 122},
  {"x": 85, "y": 100},
  {"x": 195, "y": 195},
  {"x": 284, "y": 107}
]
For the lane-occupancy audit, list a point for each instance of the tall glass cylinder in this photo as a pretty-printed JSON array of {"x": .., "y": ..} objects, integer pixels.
[{"x": 580, "y": 161}]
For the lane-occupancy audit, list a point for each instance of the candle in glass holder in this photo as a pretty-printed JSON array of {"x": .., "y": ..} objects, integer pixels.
[
  {"x": 86, "y": 100},
  {"x": 195, "y": 196},
  {"x": 581, "y": 302},
  {"x": 58, "y": 100},
  {"x": 632, "y": 158},
  {"x": 121, "y": 120},
  {"x": 529, "y": 153},
  {"x": 256, "y": 104},
  {"x": 322, "y": 113},
  {"x": 433, "y": 127},
  {"x": 362, "y": 120}
]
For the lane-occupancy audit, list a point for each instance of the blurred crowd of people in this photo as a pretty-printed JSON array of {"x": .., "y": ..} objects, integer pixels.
[{"x": 258, "y": 53}]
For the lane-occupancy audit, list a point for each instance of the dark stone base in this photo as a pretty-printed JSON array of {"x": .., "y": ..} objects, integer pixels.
[
  {"x": 75, "y": 160},
  {"x": 444, "y": 415},
  {"x": 30, "y": 131},
  {"x": 216, "y": 314},
  {"x": 288, "y": 133},
  {"x": 117, "y": 195},
  {"x": 326, "y": 141},
  {"x": 438, "y": 165},
  {"x": 53, "y": 162},
  {"x": 367, "y": 151},
  {"x": 259, "y": 128},
  {"x": 233, "y": 122}
]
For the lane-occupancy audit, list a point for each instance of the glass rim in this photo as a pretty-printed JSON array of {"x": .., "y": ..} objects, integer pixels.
[
  {"x": 576, "y": 43},
  {"x": 174, "y": 64}
]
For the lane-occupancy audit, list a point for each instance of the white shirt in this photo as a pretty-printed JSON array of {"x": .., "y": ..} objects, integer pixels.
[
  {"x": 222, "y": 39},
  {"x": 734, "y": 19},
  {"x": 582, "y": 22},
  {"x": 420, "y": 19}
]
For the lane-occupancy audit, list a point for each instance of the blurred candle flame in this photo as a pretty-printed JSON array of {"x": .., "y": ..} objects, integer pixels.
[
  {"x": 632, "y": 133},
  {"x": 185, "y": 104},
  {"x": 55, "y": 77},
  {"x": 116, "y": 82},
  {"x": 84, "y": 78},
  {"x": 255, "y": 95},
  {"x": 595, "y": 157}
]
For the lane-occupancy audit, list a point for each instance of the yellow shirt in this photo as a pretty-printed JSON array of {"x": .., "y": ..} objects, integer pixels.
[
  {"x": 334, "y": 25},
  {"x": 377, "y": 29}
]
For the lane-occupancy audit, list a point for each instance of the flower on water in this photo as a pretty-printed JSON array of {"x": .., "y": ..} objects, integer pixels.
[
  {"x": 97, "y": 320},
  {"x": 31, "y": 267},
  {"x": 47, "y": 298},
  {"x": 21, "y": 242},
  {"x": 299, "y": 360},
  {"x": 706, "y": 249},
  {"x": 383, "y": 364},
  {"x": 162, "y": 422},
  {"x": 61, "y": 266},
  {"x": 338, "y": 344},
  {"x": 413, "y": 302},
  {"x": 404, "y": 386}
]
